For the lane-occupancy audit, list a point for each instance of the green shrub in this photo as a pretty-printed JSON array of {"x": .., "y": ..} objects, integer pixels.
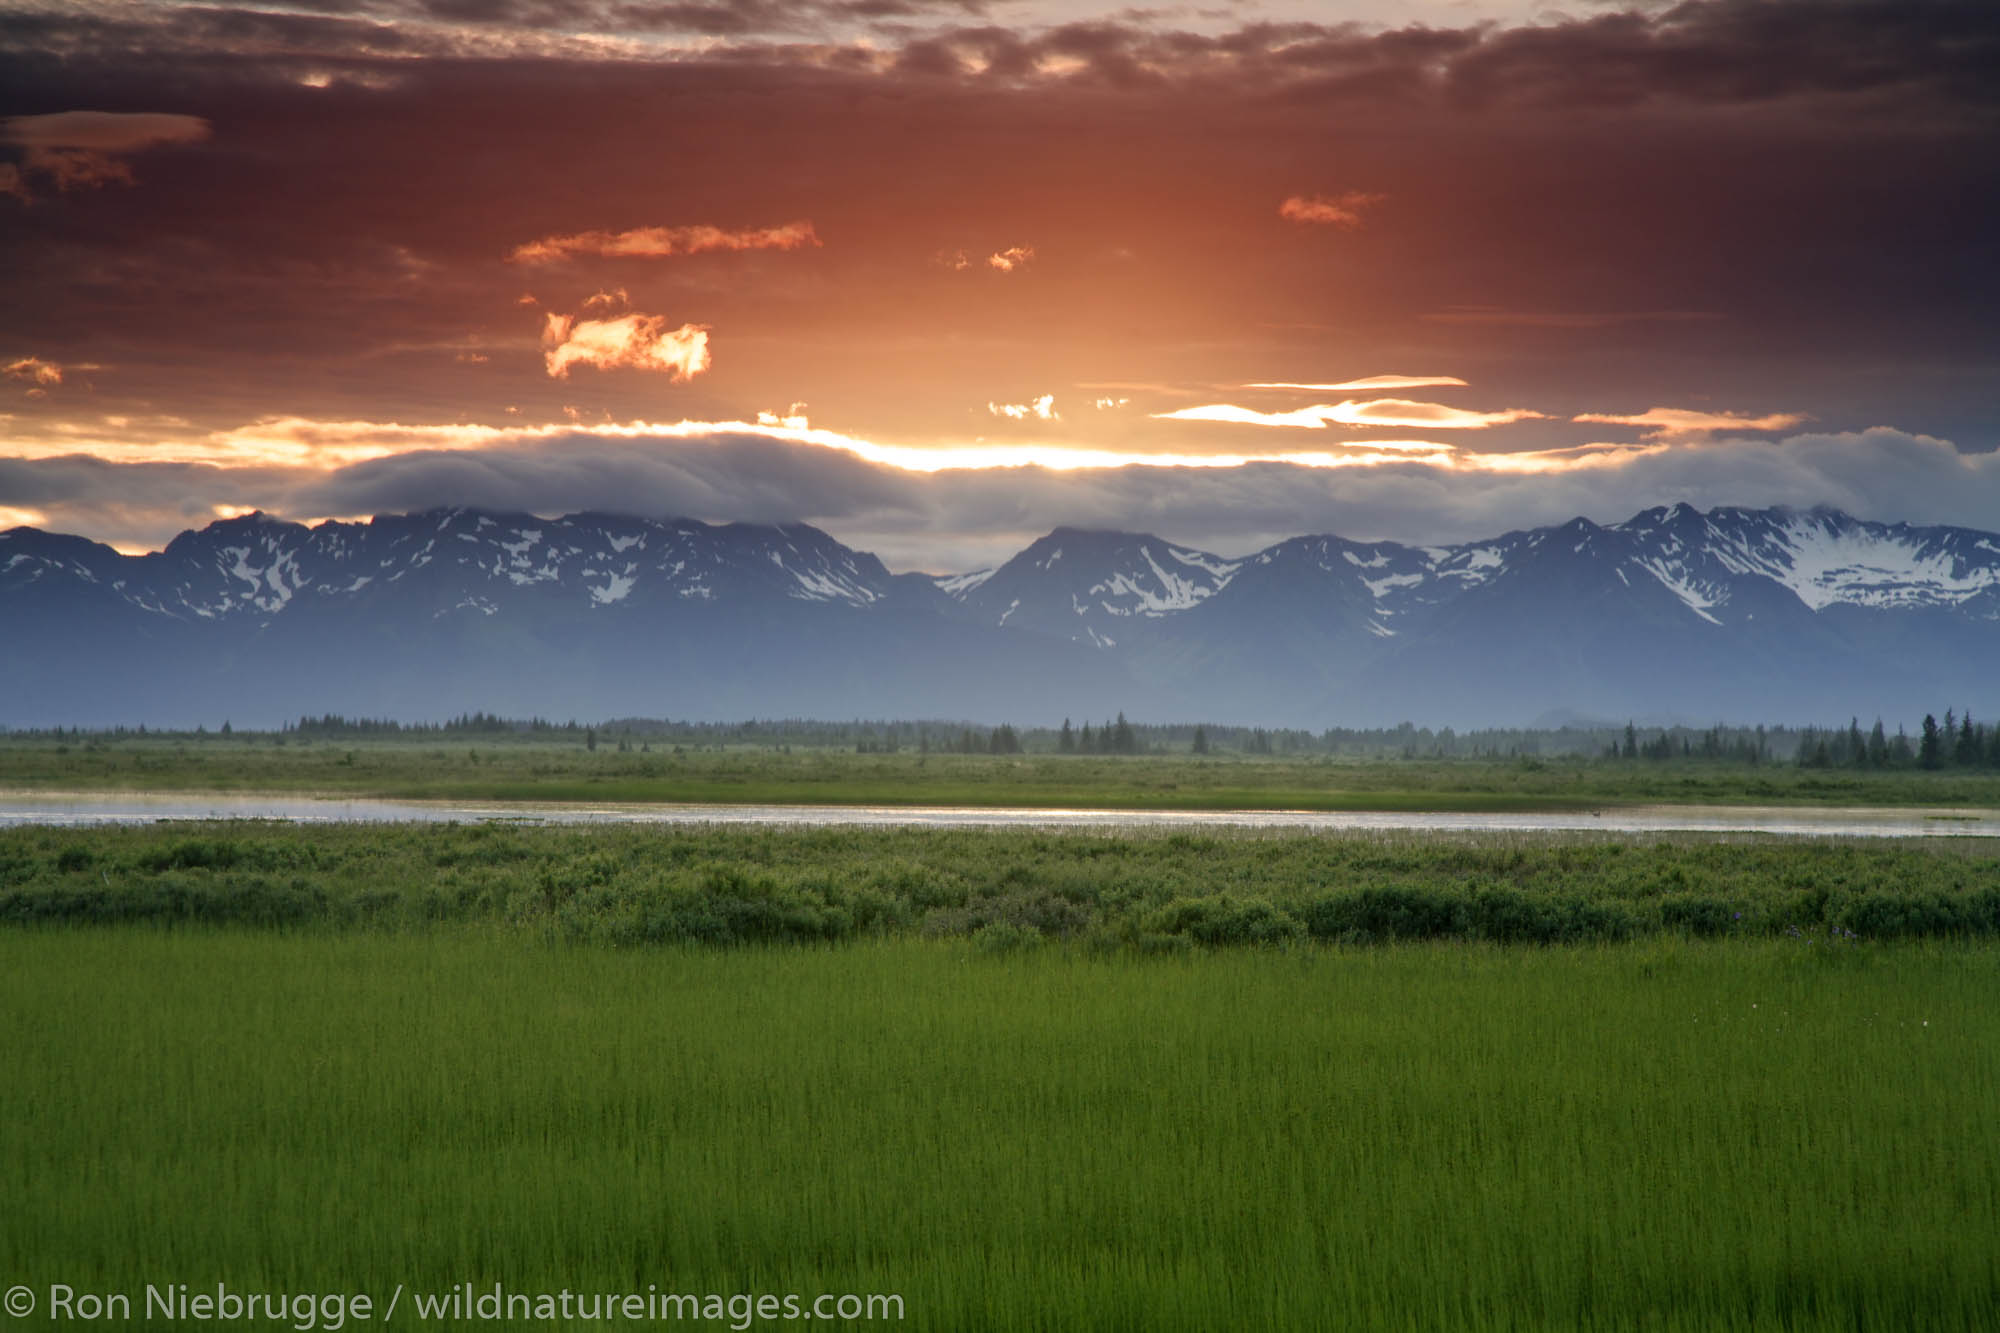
[
  {"x": 1043, "y": 912},
  {"x": 193, "y": 854},
  {"x": 1392, "y": 912},
  {"x": 1698, "y": 915},
  {"x": 1510, "y": 917},
  {"x": 1001, "y": 937},
  {"x": 1224, "y": 919},
  {"x": 1888, "y": 916}
]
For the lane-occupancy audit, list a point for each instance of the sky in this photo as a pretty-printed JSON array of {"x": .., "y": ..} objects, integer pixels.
[{"x": 941, "y": 275}]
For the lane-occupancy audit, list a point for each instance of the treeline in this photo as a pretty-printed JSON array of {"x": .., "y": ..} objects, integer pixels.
[
  {"x": 1957, "y": 742},
  {"x": 1119, "y": 737},
  {"x": 332, "y": 726}
]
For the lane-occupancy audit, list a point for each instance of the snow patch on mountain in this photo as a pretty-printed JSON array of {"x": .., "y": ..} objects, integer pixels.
[
  {"x": 1674, "y": 579},
  {"x": 957, "y": 585},
  {"x": 616, "y": 590},
  {"x": 1829, "y": 559},
  {"x": 1222, "y": 570},
  {"x": 1380, "y": 588}
]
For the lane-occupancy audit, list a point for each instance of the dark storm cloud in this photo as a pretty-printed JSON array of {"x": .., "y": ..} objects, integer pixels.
[
  {"x": 1946, "y": 51},
  {"x": 1924, "y": 52},
  {"x": 749, "y": 477}
]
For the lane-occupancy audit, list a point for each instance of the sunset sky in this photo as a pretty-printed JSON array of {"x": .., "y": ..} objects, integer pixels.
[{"x": 939, "y": 275}]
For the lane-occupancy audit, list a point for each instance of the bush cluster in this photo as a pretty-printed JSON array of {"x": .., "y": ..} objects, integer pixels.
[{"x": 1002, "y": 889}]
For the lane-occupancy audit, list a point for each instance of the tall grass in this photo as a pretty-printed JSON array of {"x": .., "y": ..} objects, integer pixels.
[{"x": 1673, "y": 1135}]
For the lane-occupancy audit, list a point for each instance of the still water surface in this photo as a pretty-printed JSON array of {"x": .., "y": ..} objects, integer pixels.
[{"x": 18, "y": 808}]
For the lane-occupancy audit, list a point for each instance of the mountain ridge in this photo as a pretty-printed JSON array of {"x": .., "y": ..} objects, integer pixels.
[{"x": 1731, "y": 613}]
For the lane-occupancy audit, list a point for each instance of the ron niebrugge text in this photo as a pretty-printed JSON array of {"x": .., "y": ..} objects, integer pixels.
[{"x": 331, "y": 1311}]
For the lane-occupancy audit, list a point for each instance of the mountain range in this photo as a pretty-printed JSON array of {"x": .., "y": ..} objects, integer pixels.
[{"x": 1730, "y": 614}]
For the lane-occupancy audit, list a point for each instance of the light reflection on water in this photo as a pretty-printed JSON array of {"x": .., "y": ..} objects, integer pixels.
[{"x": 70, "y": 808}]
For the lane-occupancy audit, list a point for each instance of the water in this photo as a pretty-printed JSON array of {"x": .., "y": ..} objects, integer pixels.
[{"x": 73, "y": 808}]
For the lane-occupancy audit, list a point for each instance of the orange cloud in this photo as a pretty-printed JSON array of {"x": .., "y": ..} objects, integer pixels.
[
  {"x": 1342, "y": 210},
  {"x": 317, "y": 446},
  {"x": 792, "y": 418},
  {"x": 1370, "y": 382},
  {"x": 1668, "y": 421},
  {"x": 664, "y": 242},
  {"x": 103, "y": 131},
  {"x": 1403, "y": 412},
  {"x": 1375, "y": 412},
  {"x": 11, "y": 517},
  {"x": 77, "y": 149},
  {"x": 1006, "y": 261},
  {"x": 1042, "y": 409},
  {"x": 74, "y": 168},
  {"x": 1310, "y": 418},
  {"x": 34, "y": 370},
  {"x": 636, "y": 342},
  {"x": 606, "y": 300}
]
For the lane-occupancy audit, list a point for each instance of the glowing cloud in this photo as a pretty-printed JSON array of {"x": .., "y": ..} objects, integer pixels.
[
  {"x": 636, "y": 342},
  {"x": 1670, "y": 421},
  {"x": 793, "y": 418},
  {"x": 1371, "y": 382},
  {"x": 1403, "y": 412},
  {"x": 1310, "y": 418},
  {"x": 34, "y": 370},
  {"x": 664, "y": 242},
  {"x": 1342, "y": 210},
  {"x": 1374, "y": 412},
  {"x": 1006, "y": 261},
  {"x": 1042, "y": 409}
]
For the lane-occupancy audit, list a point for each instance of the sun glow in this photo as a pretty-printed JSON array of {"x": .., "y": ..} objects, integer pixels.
[
  {"x": 324, "y": 446},
  {"x": 1371, "y": 412},
  {"x": 21, "y": 518}
]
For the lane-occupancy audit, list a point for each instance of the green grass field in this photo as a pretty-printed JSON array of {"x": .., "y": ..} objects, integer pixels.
[
  {"x": 1017, "y": 1079},
  {"x": 1668, "y": 1135},
  {"x": 541, "y": 770}
]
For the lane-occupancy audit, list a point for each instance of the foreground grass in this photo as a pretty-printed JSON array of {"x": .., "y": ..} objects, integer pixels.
[
  {"x": 1013, "y": 888},
  {"x": 1674, "y": 1135},
  {"x": 539, "y": 770}
]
